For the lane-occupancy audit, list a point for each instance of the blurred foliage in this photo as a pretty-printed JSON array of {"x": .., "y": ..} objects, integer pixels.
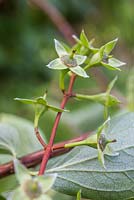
[
  {"x": 116, "y": 17},
  {"x": 25, "y": 31},
  {"x": 22, "y": 37},
  {"x": 26, "y": 46}
]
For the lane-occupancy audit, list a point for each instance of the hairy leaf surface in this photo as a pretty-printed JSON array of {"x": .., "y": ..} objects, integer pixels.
[
  {"x": 16, "y": 135},
  {"x": 80, "y": 169}
]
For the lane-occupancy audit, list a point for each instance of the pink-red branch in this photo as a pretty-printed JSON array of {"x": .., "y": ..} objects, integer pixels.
[
  {"x": 34, "y": 159},
  {"x": 56, "y": 123},
  {"x": 40, "y": 139}
]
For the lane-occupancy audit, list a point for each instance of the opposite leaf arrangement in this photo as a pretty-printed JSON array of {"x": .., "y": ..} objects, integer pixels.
[{"x": 73, "y": 62}]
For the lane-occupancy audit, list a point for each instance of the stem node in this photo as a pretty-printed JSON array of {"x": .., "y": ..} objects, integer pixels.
[{"x": 48, "y": 151}]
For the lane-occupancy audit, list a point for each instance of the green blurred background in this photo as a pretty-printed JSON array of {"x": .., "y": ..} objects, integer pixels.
[{"x": 26, "y": 46}]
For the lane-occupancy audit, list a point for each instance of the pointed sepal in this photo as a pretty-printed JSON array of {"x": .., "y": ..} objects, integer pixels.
[
  {"x": 113, "y": 64},
  {"x": 110, "y": 46},
  {"x": 84, "y": 39},
  {"x": 78, "y": 195},
  {"x": 61, "y": 51}
]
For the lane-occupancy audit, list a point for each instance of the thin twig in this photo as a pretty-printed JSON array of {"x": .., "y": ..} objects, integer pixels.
[
  {"x": 37, "y": 133},
  {"x": 55, "y": 126}
]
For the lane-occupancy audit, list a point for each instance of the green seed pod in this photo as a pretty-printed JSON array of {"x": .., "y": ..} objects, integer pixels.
[
  {"x": 70, "y": 62},
  {"x": 103, "y": 141}
]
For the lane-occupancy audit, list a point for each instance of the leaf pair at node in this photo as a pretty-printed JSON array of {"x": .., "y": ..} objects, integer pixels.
[{"x": 40, "y": 105}]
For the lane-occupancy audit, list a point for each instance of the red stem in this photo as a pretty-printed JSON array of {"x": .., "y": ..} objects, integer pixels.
[
  {"x": 33, "y": 159},
  {"x": 39, "y": 137},
  {"x": 56, "y": 123}
]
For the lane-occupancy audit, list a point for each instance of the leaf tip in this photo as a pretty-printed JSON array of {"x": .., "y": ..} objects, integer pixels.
[
  {"x": 55, "y": 41},
  {"x": 116, "y": 39},
  {"x": 86, "y": 76},
  {"x": 49, "y": 66}
]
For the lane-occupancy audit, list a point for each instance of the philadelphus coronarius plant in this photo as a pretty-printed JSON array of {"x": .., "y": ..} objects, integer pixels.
[
  {"x": 78, "y": 172},
  {"x": 70, "y": 61}
]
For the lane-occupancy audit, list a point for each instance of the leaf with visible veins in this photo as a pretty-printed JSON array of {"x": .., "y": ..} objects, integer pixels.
[{"x": 80, "y": 170}]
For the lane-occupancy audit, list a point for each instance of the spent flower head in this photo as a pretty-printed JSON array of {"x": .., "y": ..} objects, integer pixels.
[
  {"x": 31, "y": 187},
  {"x": 68, "y": 61}
]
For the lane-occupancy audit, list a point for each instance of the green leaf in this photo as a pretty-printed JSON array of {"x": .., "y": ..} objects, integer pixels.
[
  {"x": 61, "y": 51},
  {"x": 80, "y": 169},
  {"x": 56, "y": 109},
  {"x": 100, "y": 98},
  {"x": 84, "y": 39},
  {"x": 8, "y": 183},
  {"x": 113, "y": 64},
  {"x": 97, "y": 57},
  {"x": 111, "y": 85},
  {"x": 18, "y": 134},
  {"x": 110, "y": 101},
  {"x": 38, "y": 100},
  {"x": 79, "y": 195},
  {"x": 7, "y": 144},
  {"x": 40, "y": 106},
  {"x": 41, "y": 100},
  {"x": 110, "y": 46},
  {"x": 21, "y": 172},
  {"x": 56, "y": 64},
  {"x": 26, "y": 101},
  {"x": 79, "y": 71},
  {"x": 130, "y": 90}
]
